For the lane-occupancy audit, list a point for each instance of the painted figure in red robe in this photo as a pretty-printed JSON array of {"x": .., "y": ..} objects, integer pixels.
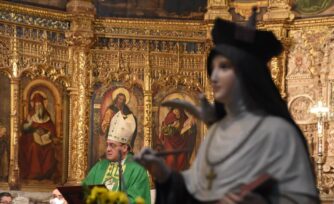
[
  {"x": 37, "y": 151},
  {"x": 178, "y": 131}
]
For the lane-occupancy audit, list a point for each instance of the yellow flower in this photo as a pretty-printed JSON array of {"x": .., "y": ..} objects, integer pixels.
[
  {"x": 109, "y": 197},
  {"x": 123, "y": 198},
  {"x": 103, "y": 196},
  {"x": 113, "y": 197},
  {"x": 90, "y": 200},
  {"x": 140, "y": 200},
  {"x": 96, "y": 191}
]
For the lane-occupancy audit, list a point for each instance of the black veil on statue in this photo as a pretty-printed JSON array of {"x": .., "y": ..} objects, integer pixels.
[{"x": 250, "y": 51}]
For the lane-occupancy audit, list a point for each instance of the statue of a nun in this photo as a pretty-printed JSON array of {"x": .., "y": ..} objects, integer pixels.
[{"x": 251, "y": 132}]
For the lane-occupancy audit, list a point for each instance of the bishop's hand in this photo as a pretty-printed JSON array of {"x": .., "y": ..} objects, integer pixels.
[
  {"x": 205, "y": 112},
  {"x": 154, "y": 164}
]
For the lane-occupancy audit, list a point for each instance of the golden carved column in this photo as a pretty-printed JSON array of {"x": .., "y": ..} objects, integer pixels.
[
  {"x": 14, "y": 173},
  {"x": 218, "y": 8},
  {"x": 207, "y": 83},
  {"x": 147, "y": 104},
  {"x": 79, "y": 38},
  {"x": 284, "y": 66},
  {"x": 278, "y": 65},
  {"x": 278, "y": 10}
]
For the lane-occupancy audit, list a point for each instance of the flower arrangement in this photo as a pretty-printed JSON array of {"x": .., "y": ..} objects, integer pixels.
[{"x": 100, "y": 195}]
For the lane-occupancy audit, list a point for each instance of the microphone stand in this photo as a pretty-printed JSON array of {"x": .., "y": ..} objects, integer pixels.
[{"x": 120, "y": 170}]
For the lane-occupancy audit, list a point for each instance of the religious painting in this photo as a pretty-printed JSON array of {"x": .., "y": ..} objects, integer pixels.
[
  {"x": 4, "y": 128},
  {"x": 178, "y": 130},
  {"x": 313, "y": 7},
  {"x": 40, "y": 143},
  {"x": 53, "y": 4},
  {"x": 177, "y": 9},
  {"x": 107, "y": 102}
]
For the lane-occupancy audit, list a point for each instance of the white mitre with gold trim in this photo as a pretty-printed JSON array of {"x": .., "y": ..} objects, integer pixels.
[{"x": 122, "y": 128}]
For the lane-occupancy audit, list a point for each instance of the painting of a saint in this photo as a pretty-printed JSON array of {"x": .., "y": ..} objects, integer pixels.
[
  {"x": 37, "y": 149},
  {"x": 178, "y": 131},
  {"x": 108, "y": 101},
  {"x": 120, "y": 98},
  {"x": 4, "y": 153}
]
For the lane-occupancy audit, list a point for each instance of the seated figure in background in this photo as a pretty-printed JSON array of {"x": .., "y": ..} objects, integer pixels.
[
  {"x": 57, "y": 198},
  {"x": 134, "y": 181},
  {"x": 6, "y": 198}
]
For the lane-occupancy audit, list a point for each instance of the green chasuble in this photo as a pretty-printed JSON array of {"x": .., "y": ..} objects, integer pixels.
[{"x": 135, "y": 178}]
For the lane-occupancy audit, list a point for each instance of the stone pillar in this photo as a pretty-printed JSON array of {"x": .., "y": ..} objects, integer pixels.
[
  {"x": 217, "y": 8},
  {"x": 79, "y": 38}
]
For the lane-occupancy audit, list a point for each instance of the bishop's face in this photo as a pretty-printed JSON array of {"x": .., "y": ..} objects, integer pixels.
[
  {"x": 223, "y": 78},
  {"x": 113, "y": 148}
]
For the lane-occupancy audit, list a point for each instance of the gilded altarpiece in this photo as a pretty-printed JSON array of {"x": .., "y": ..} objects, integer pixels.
[{"x": 83, "y": 64}]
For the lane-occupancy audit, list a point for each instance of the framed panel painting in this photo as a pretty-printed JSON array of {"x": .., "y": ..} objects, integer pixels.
[
  {"x": 41, "y": 141},
  {"x": 177, "y": 130},
  {"x": 108, "y": 101}
]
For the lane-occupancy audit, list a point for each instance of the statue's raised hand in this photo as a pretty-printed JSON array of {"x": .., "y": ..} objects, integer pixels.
[
  {"x": 154, "y": 164},
  {"x": 205, "y": 111}
]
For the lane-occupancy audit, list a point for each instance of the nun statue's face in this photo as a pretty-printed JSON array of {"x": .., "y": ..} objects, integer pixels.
[{"x": 223, "y": 78}]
